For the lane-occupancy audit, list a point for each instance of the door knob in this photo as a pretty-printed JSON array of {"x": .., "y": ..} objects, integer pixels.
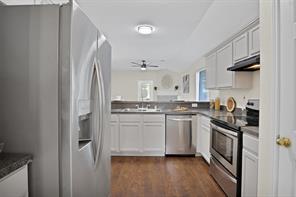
[{"x": 283, "y": 141}]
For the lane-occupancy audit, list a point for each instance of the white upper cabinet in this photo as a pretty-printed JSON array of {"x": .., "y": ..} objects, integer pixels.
[
  {"x": 254, "y": 41},
  {"x": 224, "y": 60},
  {"x": 211, "y": 71},
  {"x": 244, "y": 44},
  {"x": 240, "y": 47}
]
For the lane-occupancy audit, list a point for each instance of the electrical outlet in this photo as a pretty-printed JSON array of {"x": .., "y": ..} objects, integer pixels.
[{"x": 194, "y": 105}]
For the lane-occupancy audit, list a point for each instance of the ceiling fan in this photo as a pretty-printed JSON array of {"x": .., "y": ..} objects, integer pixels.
[{"x": 143, "y": 65}]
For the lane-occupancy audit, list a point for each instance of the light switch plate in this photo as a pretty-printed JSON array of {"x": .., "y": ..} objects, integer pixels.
[{"x": 194, "y": 105}]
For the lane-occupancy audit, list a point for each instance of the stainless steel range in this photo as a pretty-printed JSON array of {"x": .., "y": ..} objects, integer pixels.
[{"x": 226, "y": 147}]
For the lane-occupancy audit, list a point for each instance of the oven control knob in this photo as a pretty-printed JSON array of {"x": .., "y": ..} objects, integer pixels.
[{"x": 283, "y": 141}]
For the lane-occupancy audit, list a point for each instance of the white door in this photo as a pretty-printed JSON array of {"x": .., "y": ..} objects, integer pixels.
[{"x": 287, "y": 100}]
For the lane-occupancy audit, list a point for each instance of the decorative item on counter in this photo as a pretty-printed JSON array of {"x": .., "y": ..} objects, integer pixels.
[
  {"x": 176, "y": 87},
  {"x": 155, "y": 88},
  {"x": 217, "y": 104},
  {"x": 212, "y": 104},
  {"x": 230, "y": 104},
  {"x": 180, "y": 109}
]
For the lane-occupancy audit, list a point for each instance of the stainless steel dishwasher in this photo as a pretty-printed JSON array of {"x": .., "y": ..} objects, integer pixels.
[{"x": 180, "y": 134}]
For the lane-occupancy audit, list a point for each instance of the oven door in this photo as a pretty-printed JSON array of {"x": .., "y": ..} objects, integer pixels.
[{"x": 224, "y": 147}]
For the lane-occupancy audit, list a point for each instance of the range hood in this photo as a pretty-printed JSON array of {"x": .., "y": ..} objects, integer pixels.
[{"x": 249, "y": 64}]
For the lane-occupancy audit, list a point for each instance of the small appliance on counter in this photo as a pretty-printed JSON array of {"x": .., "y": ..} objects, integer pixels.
[{"x": 226, "y": 148}]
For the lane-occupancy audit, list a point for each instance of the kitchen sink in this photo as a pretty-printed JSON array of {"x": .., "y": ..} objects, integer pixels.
[{"x": 140, "y": 110}]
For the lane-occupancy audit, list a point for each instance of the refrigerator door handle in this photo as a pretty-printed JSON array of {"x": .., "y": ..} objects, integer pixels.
[{"x": 101, "y": 114}]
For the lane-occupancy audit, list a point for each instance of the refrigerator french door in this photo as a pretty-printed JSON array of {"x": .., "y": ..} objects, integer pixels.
[{"x": 55, "y": 93}]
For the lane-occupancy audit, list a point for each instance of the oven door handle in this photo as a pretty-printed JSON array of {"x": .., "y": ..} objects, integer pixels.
[{"x": 225, "y": 131}]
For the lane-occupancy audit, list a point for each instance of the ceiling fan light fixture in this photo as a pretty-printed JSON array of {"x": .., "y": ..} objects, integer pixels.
[
  {"x": 145, "y": 29},
  {"x": 143, "y": 68}
]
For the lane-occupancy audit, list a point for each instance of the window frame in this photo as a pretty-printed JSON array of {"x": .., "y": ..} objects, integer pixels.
[
  {"x": 140, "y": 82},
  {"x": 197, "y": 83}
]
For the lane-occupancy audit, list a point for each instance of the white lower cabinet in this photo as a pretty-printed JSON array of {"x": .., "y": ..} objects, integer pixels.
[
  {"x": 114, "y": 127},
  {"x": 130, "y": 137},
  {"x": 249, "y": 166},
  {"x": 203, "y": 137},
  {"x": 138, "y": 135},
  {"x": 153, "y": 138},
  {"x": 15, "y": 184}
]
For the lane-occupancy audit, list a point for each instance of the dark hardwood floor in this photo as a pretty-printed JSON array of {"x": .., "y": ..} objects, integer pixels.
[{"x": 162, "y": 177}]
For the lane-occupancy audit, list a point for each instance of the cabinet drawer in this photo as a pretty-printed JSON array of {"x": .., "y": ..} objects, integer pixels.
[
  {"x": 153, "y": 118},
  {"x": 250, "y": 143},
  {"x": 130, "y": 118},
  {"x": 114, "y": 118}
]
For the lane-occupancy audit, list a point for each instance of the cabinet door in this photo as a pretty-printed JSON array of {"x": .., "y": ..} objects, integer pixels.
[
  {"x": 205, "y": 142},
  {"x": 16, "y": 184},
  {"x": 198, "y": 134},
  {"x": 130, "y": 137},
  {"x": 249, "y": 174},
  {"x": 240, "y": 47},
  {"x": 211, "y": 65},
  {"x": 254, "y": 41},
  {"x": 114, "y": 137},
  {"x": 154, "y": 138},
  {"x": 224, "y": 60}
]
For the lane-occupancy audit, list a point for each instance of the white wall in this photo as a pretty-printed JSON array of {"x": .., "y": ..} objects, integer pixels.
[
  {"x": 125, "y": 83},
  {"x": 242, "y": 95}
]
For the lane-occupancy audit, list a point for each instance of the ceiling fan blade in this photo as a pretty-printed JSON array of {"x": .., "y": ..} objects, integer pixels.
[
  {"x": 152, "y": 66},
  {"x": 136, "y": 66},
  {"x": 136, "y": 63}
]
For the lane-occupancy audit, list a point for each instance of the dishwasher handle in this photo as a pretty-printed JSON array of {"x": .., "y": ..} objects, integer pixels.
[{"x": 180, "y": 119}]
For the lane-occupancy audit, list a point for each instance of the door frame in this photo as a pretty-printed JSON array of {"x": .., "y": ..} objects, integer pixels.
[{"x": 268, "y": 172}]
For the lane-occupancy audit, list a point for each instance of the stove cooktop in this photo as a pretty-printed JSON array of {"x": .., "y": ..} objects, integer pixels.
[{"x": 237, "y": 122}]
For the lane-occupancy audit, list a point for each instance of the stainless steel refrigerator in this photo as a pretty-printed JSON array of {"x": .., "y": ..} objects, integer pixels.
[{"x": 55, "y": 98}]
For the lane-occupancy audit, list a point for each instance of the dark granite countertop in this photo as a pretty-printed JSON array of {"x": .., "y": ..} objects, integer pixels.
[
  {"x": 236, "y": 119},
  {"x": 10, "y": 162},
  {"x": 203, "y": 111}
]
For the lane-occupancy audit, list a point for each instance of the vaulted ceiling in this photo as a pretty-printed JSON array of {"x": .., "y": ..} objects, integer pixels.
[{"x": 185, "y": 29}]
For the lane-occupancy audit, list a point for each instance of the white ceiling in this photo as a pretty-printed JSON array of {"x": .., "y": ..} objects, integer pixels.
[
  {"x": 186, "y": 29},
  {"x": 175, "y": 20}
]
